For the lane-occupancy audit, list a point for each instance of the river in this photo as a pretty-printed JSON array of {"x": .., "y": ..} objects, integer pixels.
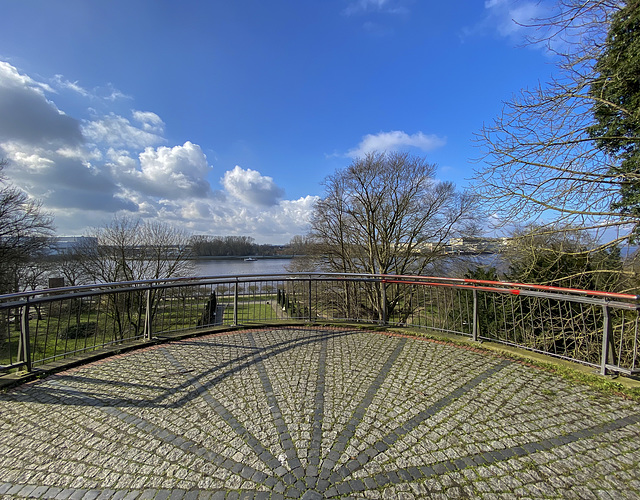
[{"x": 233, "y": 267}]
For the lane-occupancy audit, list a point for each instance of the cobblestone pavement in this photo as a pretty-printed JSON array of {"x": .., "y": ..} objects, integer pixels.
[{"x": 314, "y": 413}]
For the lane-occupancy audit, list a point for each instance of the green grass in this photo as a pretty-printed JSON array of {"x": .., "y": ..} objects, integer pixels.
[
  {"x": 250, "y": 313},
  {"x": 229, "y": 299},
  {"x": 46, "y": 333}
]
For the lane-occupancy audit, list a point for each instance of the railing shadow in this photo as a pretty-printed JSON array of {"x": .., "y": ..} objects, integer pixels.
[{"x": 63, "y": 388}]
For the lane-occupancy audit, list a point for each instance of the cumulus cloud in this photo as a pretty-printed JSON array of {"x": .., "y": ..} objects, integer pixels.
[
  {"x": 85, "y": 170},
  {"x": 61, "y": 181},
  {"x": 275, "y": 224},
  {"x": 251, "y": 187},
  {"x": 196, "y": 210},
  {"x": 27, "y": 116},
  {"x": 395, "y": 140},
  {"x": 178, "y": 172}
]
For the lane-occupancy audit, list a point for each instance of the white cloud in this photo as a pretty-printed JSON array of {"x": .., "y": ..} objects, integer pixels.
[
  {"x": 63, "y": 181},
  {"x": 196, "y": 210},
  {"x": 509, "y": 18},
  {"x": 62, "y": 83},
  {"x": 27, "y": 116},
  {"x": 177, "y": 172},
  {"x": 274, "y": 224},
  {"x": 150, "y": 122},
  {"x": 11, "y": 77},
  {"x": 110, "y": 93},
  {"x": 173, "y": 173},
  {"x": 363, "y": 6},
  {"x": 251, "y": 187},
  {"x": 395, "y": 140},
  {"x": 116, "y": 131},
  {"x": 107, "y": 93},
  {"x": 85, "y": 171}
]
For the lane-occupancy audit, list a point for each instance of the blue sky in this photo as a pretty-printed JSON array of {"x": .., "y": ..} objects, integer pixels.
[{"x": 223, "y": 117}]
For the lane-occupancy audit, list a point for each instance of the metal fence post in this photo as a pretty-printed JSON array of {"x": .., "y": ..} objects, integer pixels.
[
  {"x": 310, "y": 302},
  {"x": 474, "y": 331},
  {"x": 24, "y": 349},
  {"x": 235, "y": 303},
  {"x": 606, "y": 338},
  {"x": 384, "y": 303},
  {"x": 147, "y": 315}
]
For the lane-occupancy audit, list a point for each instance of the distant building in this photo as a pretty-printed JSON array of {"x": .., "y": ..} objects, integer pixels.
[{"x": 477, "y": 245}]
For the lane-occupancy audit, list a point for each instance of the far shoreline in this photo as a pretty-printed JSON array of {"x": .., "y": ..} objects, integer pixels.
[{"x": 242, "y": 257}]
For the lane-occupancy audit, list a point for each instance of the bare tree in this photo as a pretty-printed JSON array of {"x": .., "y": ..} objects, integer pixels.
[
  {"x": 70, "y": 267},
  {"x": 25, "y": 232},
  {"x": 386, "y": 214},
  {"x": 130, "y": 249},
  {"x": 540, "y": 162},
  {"x": 301, "y": 248}
]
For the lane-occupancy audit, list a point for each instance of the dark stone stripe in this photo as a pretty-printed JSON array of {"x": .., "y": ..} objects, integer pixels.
[
  {"x": 51, "y": 492},
  {"x": 263, "y": 453},
  {"x": 400, "y": 431},
  {"x": 162, "y": 434},
  {"x": 317, "y": 417},
  {"x": 342, "y": 440},
  {"x": 246, "y": 360},
  {"x": 281, "y": 426},
  {"x": 419, "y": 473},
  {"x": 248, "y": 473}
]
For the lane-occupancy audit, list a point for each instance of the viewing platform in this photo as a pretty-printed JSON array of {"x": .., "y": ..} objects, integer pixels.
[
  {"x": 317, "y": 386},
  {"x": 315, "y": 412}
]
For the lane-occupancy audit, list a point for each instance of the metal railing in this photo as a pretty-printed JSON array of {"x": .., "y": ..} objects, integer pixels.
[{"x": 594, "y": 328}]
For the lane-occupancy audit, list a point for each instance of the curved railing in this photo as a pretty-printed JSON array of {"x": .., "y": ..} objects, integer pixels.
[{"x": 599, "y": 329}]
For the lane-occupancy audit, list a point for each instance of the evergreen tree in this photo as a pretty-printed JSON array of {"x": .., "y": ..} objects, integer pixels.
[{"x": 616, "y": 94}]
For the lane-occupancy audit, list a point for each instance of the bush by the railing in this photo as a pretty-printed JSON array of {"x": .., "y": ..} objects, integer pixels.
[
  {"x": 80, "y": 331},
  {"x": 209, "y": 313}
]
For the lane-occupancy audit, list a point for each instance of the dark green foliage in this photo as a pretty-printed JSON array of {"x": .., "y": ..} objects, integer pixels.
[
  {"x": 209, "y": 313},
  {"x": 570, "y": 268},
  {"x": 564, "y": 328},
  {"x": 616, "y": 94},
  {"x": 229, "y": 246},
  {"x": 78, "y": 331},
  {"x": 561, "y": 259},
  {"x": 490, "y": 305},
  {"x": 483, "y": 274}
]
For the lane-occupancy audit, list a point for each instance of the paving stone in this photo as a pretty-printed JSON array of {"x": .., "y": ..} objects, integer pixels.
[
  {"x": 311, "y": 495},
  {"x": 26, "y": 491},
  {"x": 314, "y": 412}
]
